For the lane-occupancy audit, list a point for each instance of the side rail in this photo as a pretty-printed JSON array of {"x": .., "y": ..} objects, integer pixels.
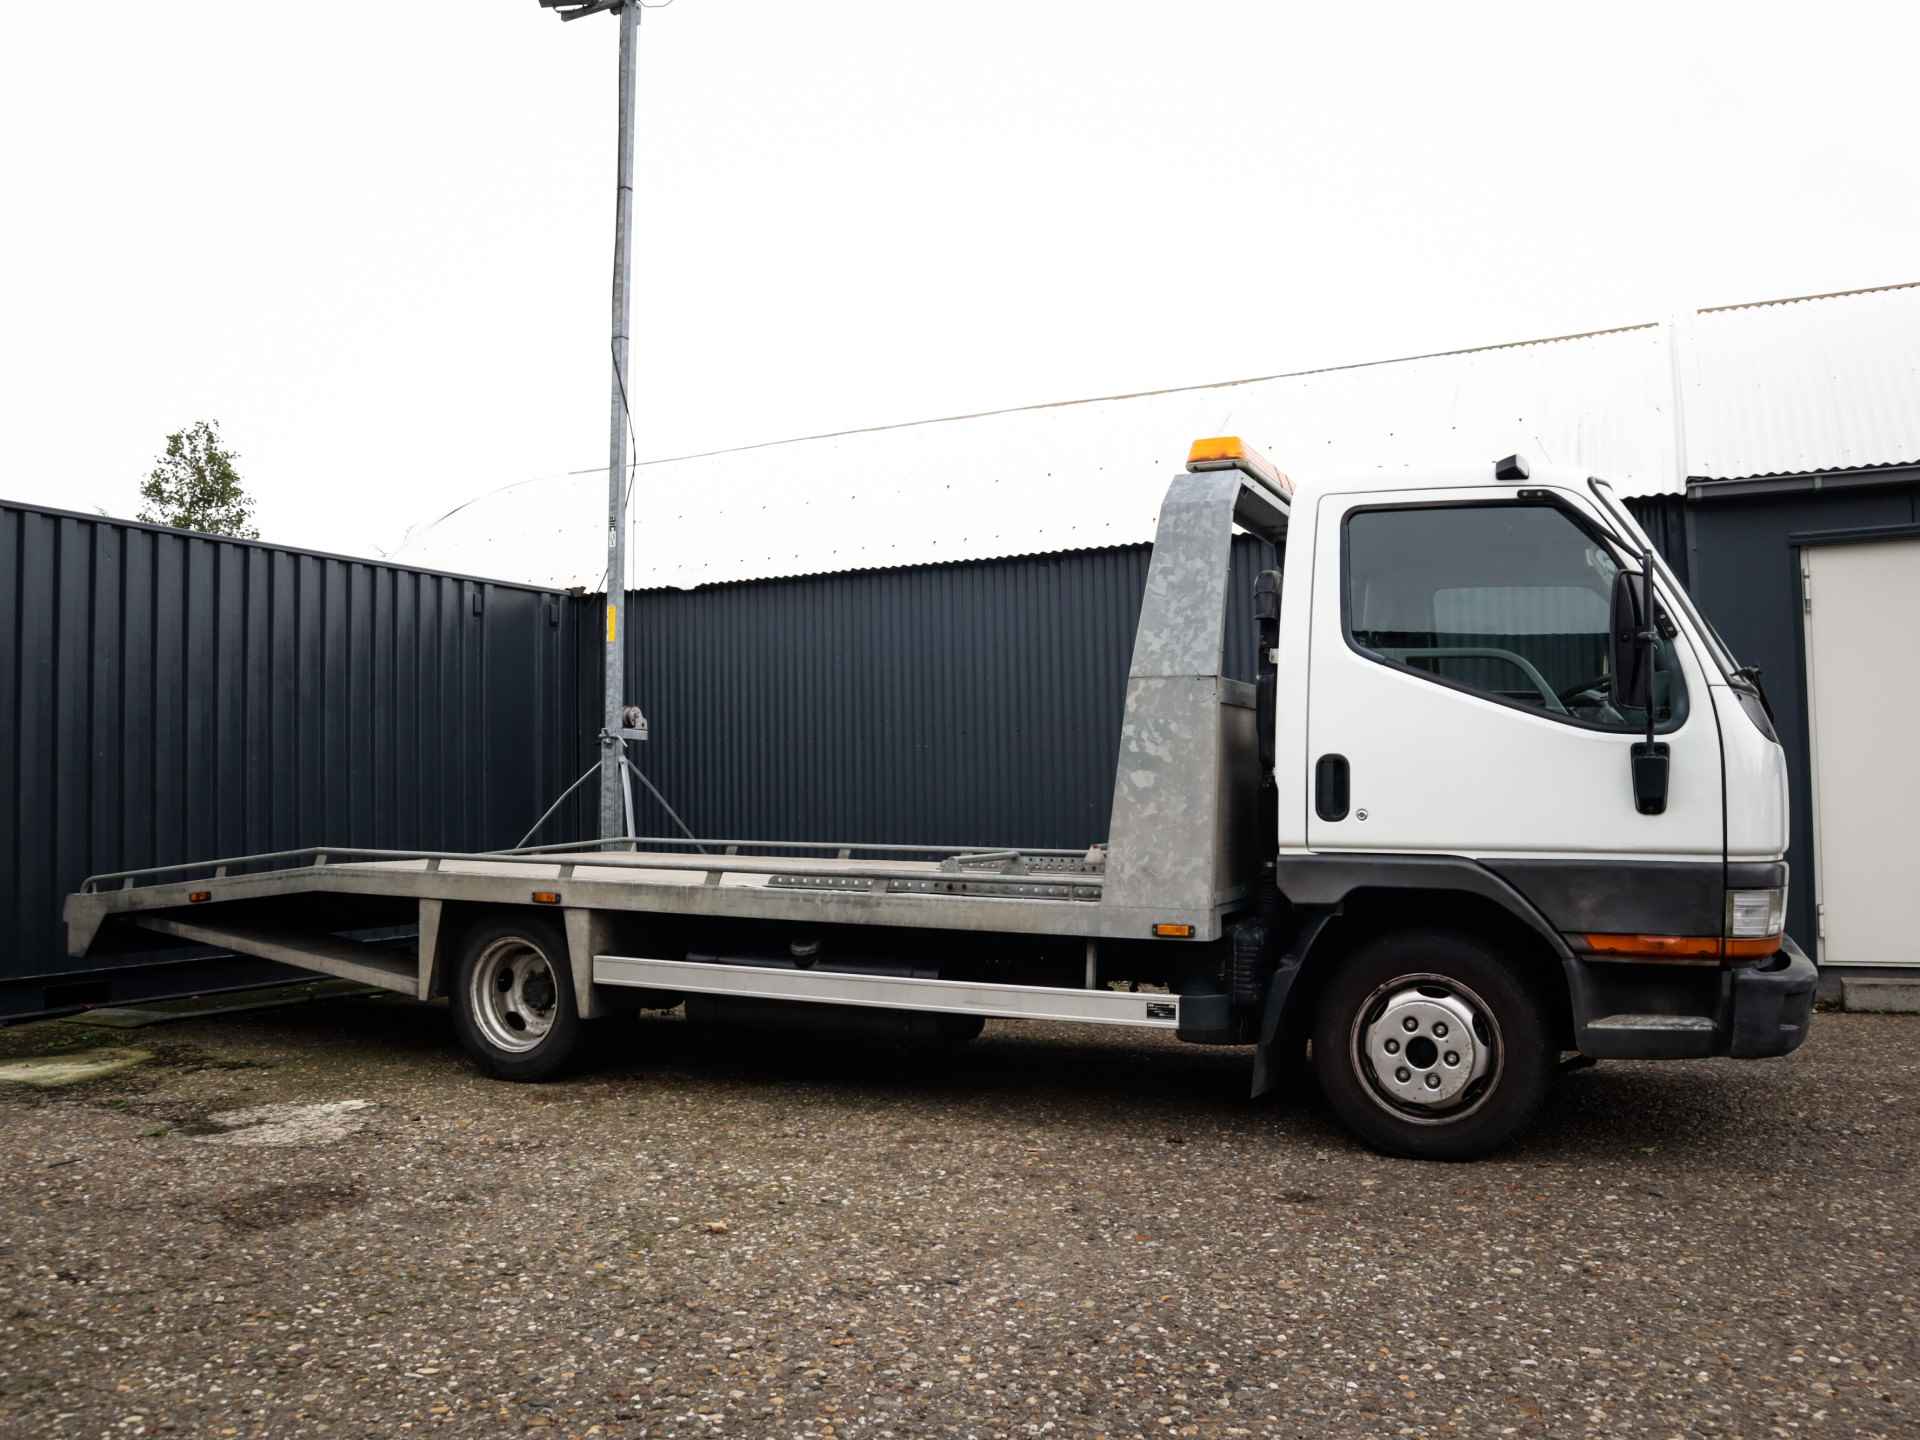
[
  {"x": 162, "y": 904},
  {"x": 717, "y": 855}
]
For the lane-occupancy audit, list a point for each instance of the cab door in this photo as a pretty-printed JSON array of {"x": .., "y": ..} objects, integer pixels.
[{"x": 1459, "y": 701}]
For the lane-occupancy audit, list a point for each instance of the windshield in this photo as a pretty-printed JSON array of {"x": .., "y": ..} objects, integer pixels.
[{"x": 1623, "y": 517}]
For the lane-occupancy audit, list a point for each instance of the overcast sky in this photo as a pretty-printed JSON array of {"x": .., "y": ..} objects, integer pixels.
[{"x": 373, "y": 240}]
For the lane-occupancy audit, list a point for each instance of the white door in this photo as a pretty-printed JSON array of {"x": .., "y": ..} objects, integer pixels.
[
  {"x": 1459, "y": 681},
  {"x": 1863, "y": 690}
]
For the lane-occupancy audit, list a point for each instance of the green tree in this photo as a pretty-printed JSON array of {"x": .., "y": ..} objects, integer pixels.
[{"x": 195, "y": 486}]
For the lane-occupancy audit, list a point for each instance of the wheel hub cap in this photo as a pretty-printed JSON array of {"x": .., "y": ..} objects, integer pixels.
[
  {"x": 1423, "y": 1048},
  {"x": 515, "y": 995}
]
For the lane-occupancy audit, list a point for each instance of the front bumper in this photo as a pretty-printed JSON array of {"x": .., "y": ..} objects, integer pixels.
[
  {"x": 1653, "y": 1012},
  {"x": 1773, "y": 1004}
]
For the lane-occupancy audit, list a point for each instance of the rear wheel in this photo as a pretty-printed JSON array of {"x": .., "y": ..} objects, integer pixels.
[
  {"x": 1428, "y": 1045},
  {"x": 958, "y": 1030},
  {"x": 513, "y": 1002}
]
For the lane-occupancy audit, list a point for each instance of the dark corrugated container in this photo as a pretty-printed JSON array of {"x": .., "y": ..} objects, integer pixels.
[
  {"x": 168, "y": 697},
  {"x": 969, "y": 703}
]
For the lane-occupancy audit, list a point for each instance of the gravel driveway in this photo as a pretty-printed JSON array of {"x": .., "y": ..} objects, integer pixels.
[{"x": 322, "y": 1221}]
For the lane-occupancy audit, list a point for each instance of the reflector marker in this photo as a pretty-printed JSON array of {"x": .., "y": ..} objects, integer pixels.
[{"x": 1681, "y": 949}]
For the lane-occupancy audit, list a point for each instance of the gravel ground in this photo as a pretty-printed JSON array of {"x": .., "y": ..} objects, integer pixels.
[{"x": 1064, "y": 1231}]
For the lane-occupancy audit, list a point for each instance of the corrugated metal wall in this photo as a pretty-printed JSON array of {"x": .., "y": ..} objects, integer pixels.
[
  {"x": 974, "y": 703},
  {"x": 167, "y": 697},
  {"x": 1664, "y": 518}
]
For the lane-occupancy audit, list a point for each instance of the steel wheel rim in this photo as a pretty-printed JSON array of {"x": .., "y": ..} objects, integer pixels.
[
  {"x": 1397, "y": 1071},
  {"x": 514, "y": 995}
]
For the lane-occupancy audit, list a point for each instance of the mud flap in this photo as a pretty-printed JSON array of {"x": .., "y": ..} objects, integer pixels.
[
  {"x": 588, "y": 934},
  {"x": 1273, "y": 1015}
]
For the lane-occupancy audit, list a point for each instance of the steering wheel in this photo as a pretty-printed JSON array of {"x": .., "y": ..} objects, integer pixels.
[{"x": 1602, "y": 681}]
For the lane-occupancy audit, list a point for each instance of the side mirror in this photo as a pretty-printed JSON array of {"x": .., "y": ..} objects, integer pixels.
[
  {"x": 1631, "y": 632},
  {"x": 1630, "y": 629}
]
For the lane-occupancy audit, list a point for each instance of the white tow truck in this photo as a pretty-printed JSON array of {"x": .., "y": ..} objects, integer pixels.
[{"x": 1498, "y": 793}]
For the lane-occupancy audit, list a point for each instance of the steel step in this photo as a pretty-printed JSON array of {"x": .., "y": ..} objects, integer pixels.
[
  {"x": 389, "y": 971},
  {"x": 947, "y": 997},
  {"x": 1653, "y": 1022}
]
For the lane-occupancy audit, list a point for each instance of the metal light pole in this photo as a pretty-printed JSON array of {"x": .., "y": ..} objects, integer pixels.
[{"x": 613, "y": 805}]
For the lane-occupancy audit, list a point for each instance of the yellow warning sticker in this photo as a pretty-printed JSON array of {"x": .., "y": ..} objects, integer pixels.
[{"x": 613, "y": 622}]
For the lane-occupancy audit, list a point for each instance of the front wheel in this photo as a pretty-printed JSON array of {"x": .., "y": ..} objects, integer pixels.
[
  {"x": 1430, "y": 1046},
  {"x": 513, "y": 1002}
]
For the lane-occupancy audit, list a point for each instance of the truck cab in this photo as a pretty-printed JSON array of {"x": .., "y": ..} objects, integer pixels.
[{"x": 1523, "y": 802}]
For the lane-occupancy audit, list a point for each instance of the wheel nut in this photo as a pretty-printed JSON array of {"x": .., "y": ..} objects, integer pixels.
[
  {"x": 1409, "y": 1024},
  {"x": 1453, "y": 1057},
  {"x": 1393, "y": 1047},
  {"x": 1440, "y": 1028},
  {"x": 1433, "y": 1082},
  {"x": 1403, "y": 1074}
]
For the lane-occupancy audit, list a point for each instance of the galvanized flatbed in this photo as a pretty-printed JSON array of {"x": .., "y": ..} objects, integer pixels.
[{"x": 218, "y": 903}]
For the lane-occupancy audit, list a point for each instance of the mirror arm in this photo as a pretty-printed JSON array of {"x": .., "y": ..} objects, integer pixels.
[
  {"x": 1650, "y": 759},
  {"x": 1650, "y": 636}
]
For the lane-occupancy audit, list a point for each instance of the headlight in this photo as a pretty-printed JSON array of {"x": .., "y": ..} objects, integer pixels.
[{"x": 1756, "y": 914}]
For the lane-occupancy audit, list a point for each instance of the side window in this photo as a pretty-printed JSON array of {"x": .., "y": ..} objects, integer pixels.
[{"x": 1508, "y": 600}]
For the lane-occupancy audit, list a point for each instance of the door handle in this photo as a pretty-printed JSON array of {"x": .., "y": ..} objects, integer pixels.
[{"x": 1332, "y": 787}]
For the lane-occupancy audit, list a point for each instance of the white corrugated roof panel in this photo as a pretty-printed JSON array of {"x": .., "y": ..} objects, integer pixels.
[
  {"x": 1069, "y": 476},
  {"x": 1793, "y": 387},
  {"x": 1780, "y": 388}
]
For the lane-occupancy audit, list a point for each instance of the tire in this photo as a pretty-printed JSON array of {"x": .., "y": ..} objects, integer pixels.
[
  {"x": 513, "y": 1002},
  {"x": 1430, "y": 1046},
  {"x": 957, "y": 1031}
]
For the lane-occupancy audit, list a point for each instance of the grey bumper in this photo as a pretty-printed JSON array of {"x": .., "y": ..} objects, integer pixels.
[
  {"x": 1773, "y": 1004},
  {"x": 1651, "y": 1012}
]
